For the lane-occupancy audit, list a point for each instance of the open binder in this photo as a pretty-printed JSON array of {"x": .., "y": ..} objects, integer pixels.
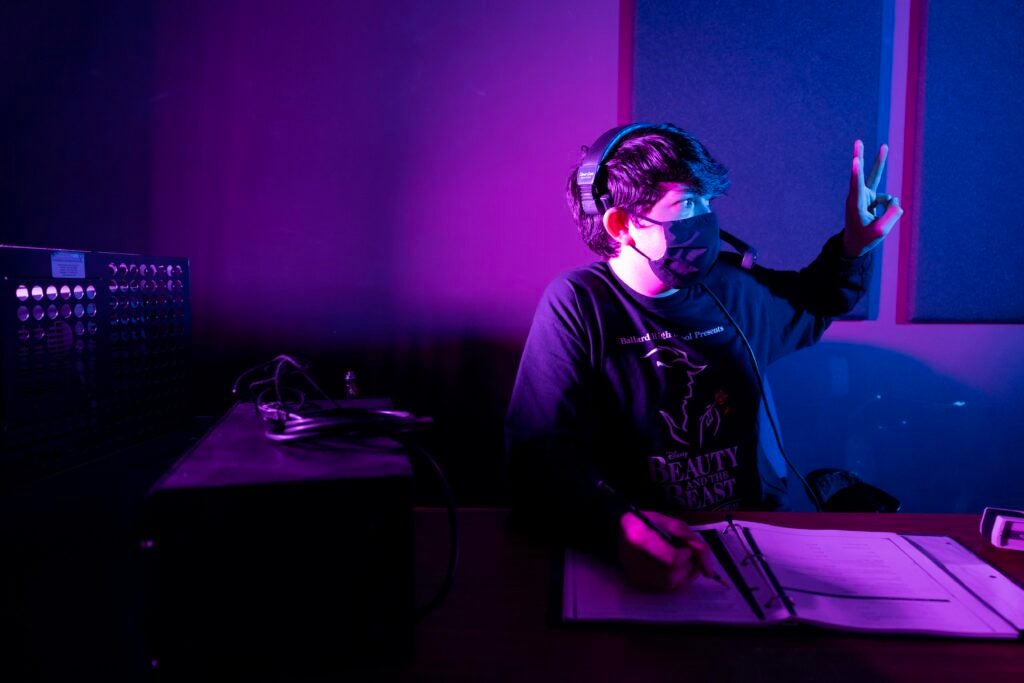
[{"x": 851, "y": 580}]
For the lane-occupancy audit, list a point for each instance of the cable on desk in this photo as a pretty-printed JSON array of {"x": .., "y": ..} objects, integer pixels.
[{"x": 281, "y": 407}]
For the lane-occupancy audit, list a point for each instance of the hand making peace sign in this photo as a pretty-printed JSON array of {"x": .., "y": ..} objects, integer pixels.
[{"x": 865, "y": 227}]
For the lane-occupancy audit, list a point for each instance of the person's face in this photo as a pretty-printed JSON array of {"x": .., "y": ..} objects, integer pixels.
[{"x": 678, "y": 202}]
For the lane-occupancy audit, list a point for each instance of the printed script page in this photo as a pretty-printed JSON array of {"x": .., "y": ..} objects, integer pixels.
[
  {"x": 981, "y": 578},
  {"x": 871, "y": 581},
  {"x": 596, "y": 591}
]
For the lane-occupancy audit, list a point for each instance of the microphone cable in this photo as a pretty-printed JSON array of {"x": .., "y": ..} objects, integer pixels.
[{"x": 811, "y": 493}]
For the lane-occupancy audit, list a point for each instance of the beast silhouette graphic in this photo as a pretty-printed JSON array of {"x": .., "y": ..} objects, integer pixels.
[{"x": 673, "y": 358}]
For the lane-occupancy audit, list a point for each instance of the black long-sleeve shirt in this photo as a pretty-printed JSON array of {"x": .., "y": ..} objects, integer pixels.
[{"x": 659, "y": 396}]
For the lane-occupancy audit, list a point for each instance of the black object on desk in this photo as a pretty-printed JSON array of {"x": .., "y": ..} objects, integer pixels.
[{"x": 279, "y": 561}]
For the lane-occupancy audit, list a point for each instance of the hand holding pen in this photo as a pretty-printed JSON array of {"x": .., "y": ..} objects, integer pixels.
[{"x": 661, "y": 552}]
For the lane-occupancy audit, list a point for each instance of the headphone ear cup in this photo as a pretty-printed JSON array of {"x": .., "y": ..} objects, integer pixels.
[{"x": 595, "y": 204}]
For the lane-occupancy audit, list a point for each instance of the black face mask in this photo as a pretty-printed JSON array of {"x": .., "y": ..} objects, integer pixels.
[{"x": 691, "y": 248}]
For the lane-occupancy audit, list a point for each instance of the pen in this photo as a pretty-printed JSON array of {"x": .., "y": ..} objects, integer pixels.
[{"x": 669, "y": 538}]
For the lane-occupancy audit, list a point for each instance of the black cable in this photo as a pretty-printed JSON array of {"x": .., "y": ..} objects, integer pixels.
[
  {"x": 302, "y": 367},
  {"x": 265, "y": 366},
  {"x": 811, "y": 493},
  {"x": 453, "y": 530}
]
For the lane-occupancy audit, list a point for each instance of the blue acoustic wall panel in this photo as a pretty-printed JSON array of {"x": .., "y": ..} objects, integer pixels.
[
  {"x": 966, "y": 257},
  {"x": 778, "y": 91}
]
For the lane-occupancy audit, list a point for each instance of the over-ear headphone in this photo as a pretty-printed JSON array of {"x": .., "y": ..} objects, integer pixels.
[
  {"x": 594, "y": 196},
  {"x": 586, "y": 177}
]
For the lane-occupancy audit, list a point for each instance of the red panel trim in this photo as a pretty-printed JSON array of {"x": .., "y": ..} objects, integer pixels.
[{"x": 912, "y": 159}]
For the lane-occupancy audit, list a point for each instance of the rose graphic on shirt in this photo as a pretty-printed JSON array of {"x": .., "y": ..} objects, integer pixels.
[
  {"x": 711, "y": 420},
  {"x": 677, "y": 359}
]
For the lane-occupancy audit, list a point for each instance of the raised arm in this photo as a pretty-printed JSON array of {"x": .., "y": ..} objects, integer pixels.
[{"x": 799, "y": 305}]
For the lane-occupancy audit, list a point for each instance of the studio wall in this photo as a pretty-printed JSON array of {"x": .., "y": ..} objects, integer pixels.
[
  {"x": 964, "y": 254},
  {"x": 344, "y": 171},
  {"x": 779, "y": 90},
  {"x": 764, "y": 87}
]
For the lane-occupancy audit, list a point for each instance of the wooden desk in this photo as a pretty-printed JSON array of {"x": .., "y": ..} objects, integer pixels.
[{"x": 499, "y": 622}]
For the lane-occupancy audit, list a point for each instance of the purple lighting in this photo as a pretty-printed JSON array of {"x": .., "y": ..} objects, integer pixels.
[{"x": 402, "y": 183}]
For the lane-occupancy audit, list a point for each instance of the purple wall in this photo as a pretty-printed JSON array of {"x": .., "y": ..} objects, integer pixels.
[{"x": 354, "y": 171}]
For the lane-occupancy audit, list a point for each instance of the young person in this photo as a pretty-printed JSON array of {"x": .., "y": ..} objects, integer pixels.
[{"x": 640, "y": 380}]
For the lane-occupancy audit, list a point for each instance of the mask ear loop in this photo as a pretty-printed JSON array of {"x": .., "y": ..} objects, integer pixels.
[
  {"x": 748, "y": 253},
  {"x": 635, "y": 218}
]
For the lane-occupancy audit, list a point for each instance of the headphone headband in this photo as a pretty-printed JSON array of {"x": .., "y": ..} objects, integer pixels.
[{"x": 597, "y": 204}]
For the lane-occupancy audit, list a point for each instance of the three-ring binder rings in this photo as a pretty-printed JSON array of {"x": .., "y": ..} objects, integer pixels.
[{"x": 851, "y": 580}]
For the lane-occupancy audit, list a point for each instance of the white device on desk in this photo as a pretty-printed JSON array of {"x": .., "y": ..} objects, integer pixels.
[{"x": 1003, "y": 528}]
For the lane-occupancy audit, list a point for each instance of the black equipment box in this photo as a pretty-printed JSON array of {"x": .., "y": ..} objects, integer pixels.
[
  {"x": 96, "y": 355},
  {"x": 268, "y": 561}
]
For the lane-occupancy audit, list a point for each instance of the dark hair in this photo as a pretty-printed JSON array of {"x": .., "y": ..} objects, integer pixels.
[{"x": 633, "y": 173}]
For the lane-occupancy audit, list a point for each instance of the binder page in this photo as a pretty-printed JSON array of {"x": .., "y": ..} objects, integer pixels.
[
  {"x": 596, "y": 591},
  {"x": 871, "y": 581},
  {"x": 981, "y": 578}
]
